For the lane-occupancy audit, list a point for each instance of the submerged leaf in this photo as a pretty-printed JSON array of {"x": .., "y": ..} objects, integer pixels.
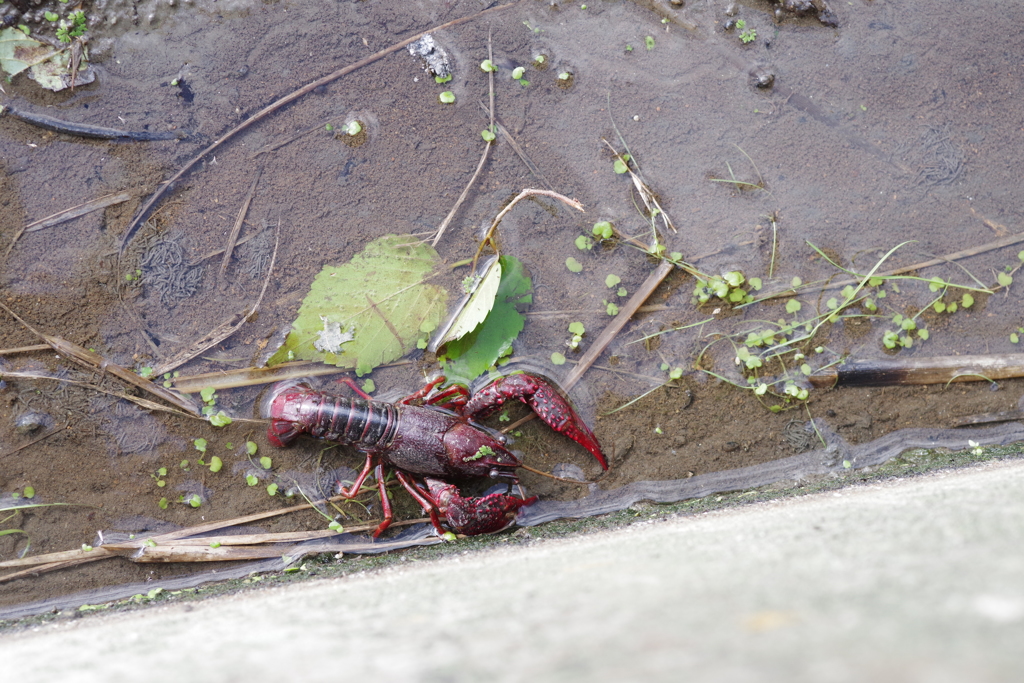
[
  {"x": 18, "y": 52},
  {"x": 471, "y": 356},
  {"x": 379, "y": 298},
  {"x": 480, "y": 302},
  {"x": 49, "y": 67}
]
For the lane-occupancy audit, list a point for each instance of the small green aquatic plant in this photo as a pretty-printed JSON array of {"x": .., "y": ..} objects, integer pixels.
[{"x": 72, "y": 27}]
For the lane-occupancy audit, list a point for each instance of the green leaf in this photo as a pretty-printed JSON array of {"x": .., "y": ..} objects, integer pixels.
[
  {"x": 755, "y": 282},
  {"x": 649, "y": 42},
  {"x": 620, "y": 166},
  {"x": 221, "y": 419},
  {"x": 1004, "y": 279},
  {"x": 206, "y": 393},
  {"x": 266, "y": 462},
  {"x": 447, "y": 97},
  {"x": 478, "y": 305},
  {"x": 471, "y": 356},
  {"x": 604, "y": 230},
  {"x": 216, "y": 464},
  {"x": 381, "y": 296},
  {"x": 272, "y": 489},
  {"x": 251, "y": 480},
  {"x": 612, "y": 281},
  {"x": 200, "y": 445},
  {"x": 792, "y": 306},
  {"x": 573, "y": 265},
  {"x": 29, "y": 492},
  {"x": 487, "y": 135},
  {"x": 577, "y": 328},
  {"x": 557, "y": 358},
  {"x": 250, "y": 447},
  {"x": 967, "y": 301}
]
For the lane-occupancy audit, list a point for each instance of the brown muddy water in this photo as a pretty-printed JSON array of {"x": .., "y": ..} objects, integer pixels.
[{"x": 901, "y": 126}]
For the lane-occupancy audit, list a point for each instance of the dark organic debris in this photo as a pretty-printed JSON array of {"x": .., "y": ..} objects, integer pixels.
[
  {"x": 799, "y": 435},
  {"x": 436, "y": 61},
  {"x": 941, "y": 161},
  {"x": 168, "y": 272},
  {"x": 255, "y": 254},
  {"x": 818, "y": 8},
  {"x": 83, "y": 130}
]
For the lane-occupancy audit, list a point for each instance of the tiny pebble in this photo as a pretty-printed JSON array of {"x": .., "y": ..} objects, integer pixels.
[
  {"x": 636, "y": 118},
  {"x": 29, "y": 422}
]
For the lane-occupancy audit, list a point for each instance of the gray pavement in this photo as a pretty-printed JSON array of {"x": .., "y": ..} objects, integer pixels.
[{"x": 914, "y": 580}]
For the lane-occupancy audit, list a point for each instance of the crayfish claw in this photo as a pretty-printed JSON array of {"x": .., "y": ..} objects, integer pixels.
[
  {"x": 545, "y": 401},
  {"x": 475, "y": 516}
]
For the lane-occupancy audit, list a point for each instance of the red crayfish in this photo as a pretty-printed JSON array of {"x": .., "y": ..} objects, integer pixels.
[{"x": 430, "y": 439}]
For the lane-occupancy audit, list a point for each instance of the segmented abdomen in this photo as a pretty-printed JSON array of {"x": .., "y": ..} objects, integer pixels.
[{"x": 367, "y": 425}]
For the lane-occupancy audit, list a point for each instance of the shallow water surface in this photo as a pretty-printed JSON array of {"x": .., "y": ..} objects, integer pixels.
[{"x": 901, "y": 127}]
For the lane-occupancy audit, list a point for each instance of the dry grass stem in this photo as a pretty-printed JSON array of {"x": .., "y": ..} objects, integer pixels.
[{"x": 68, "y": 214}]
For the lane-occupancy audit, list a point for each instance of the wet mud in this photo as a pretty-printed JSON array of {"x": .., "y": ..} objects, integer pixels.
[{"x": 899, "y": 126}]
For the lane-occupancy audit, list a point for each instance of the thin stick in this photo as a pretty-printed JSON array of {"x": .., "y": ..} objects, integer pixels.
[
  {"x": 237, "y": 227},
  {"x": 143, "y": 403},
  {"x": 273, "y": 147},
  {"x": 218, "y": 252},
  {"x": 529, "y": 192},
  {"x": 33, "y": 441},
  {"x": 52, "y": 561},
  {"x": 24, "y": 349},
  {"x": 518, "y": 149},
  {"x": 68, "y": 214},
  {"x": 483, "y": 157},
  {"x": 618, "y": 322},
  {"x": 93, "y": 361},
  {"x": 273, "y": 107},
  {"x": 1007, "y": 241},
  {"x": 551, "y": 476}
]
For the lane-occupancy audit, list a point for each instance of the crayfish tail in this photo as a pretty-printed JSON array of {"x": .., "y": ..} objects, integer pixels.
[{"x": 282, "y": 433}]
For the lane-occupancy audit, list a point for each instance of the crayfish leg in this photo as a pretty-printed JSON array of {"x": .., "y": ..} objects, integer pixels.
[
  {"x": 358, "y": 484},
  {"x": 453, "y": 397},
  {"x": 385, "y": 503},
  {"x": 425, "y": 501}
]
